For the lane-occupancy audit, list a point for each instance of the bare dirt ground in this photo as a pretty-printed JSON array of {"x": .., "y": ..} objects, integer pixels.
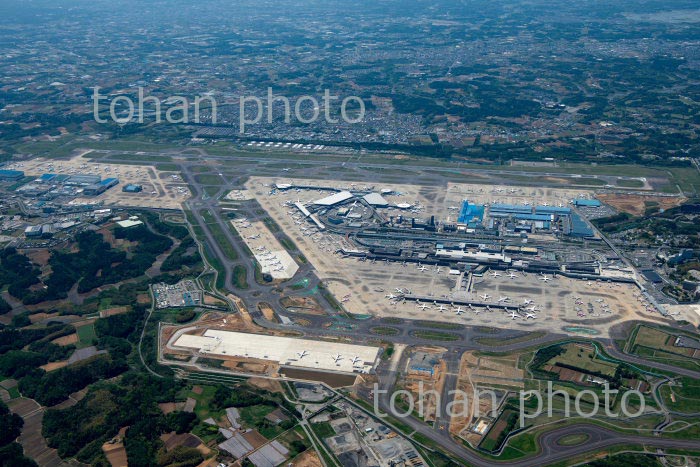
[
  {"x": 53, "y": 366},
  {"x": 269, "y": 385},
  {"x": 66, "y": 340},
  {"x": 636, "y": 204},
  {"x": 307, "y": 459}
]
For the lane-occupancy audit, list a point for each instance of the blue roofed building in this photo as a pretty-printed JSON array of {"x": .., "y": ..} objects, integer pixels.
[
  {"x": 500, "y": 208},
  {"x": 11, "y": 175},
  {"x": 559, "y": 211},
  {"x": 587, "y": 203},
  {"x": 579, "y": 228},
  {"x": 109, "y": 182},
  {"x": 471, "y": 214},
  {"x": 47, "y": 178}
]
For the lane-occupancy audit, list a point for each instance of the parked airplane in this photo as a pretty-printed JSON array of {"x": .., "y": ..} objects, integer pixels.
[
  {"x": 391, "y": 296},
  {"x": 422, "y": 268},
  {"x": 459, "y": 310},
  {"x": 302, "y": 354},
  {"x": 545, "y": 278},
  {"x": 512, "y": 275},
  {"x": 485, "y": 296},
  {"x": 476, "y": 311},
  {"x": 495, "y": 274},
  {"x": 423, "y": 306},
  {"x": 356, "y": 360},
  {"x": 503, "y": 299},
  {"x": 337, "y": 358},
  {"x": 514, "y": 315},
  {"x": 441, "y": 308},
  {"x": 530, "y": 315}
]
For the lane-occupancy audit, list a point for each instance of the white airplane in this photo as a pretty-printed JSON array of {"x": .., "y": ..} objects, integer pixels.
[
  {"x": 512, "y": 275},
  {"x": 422, "y": 268},
  {"x": 356, "y": 360},
  {"x": 337, "y": 358},
  {"x": 441, "y": 308},
  {"x": 459, "y": 310},
  {"x": 253, "y": 237},
  {"x": 391, "y": 296},
  {"x": 503, "y": 299},
  {"x": 530, "y": 315},
  {"x": 527, "y": 302},
  {"x": 488, "y": 308},
  {"x": 423, "y": 306},
  {"x": 545, "y": 278},
  {"x": 514, "y": 315},
  {"x": 532, "y": 308},
  {"x": 302, "y": 354},
  {"x": 476, "y": 311},
  {"x": 495, "y": 274},
  {"x": 399, "y": 290},
  {"x": 485, "y": 296},
  {"x": 437, "y": 271}
]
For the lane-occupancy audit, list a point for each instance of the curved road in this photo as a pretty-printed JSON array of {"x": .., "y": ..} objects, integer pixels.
[{"x": 599, "y": 438}]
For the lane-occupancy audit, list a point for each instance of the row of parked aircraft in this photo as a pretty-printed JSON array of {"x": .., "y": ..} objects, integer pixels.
[
  {"x": 513, "y": 275},
  {"x": 459, "y": 310},
  {"x": 336, "y": 358}
]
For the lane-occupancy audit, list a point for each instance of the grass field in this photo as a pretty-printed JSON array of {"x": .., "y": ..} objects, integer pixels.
[
  {"x": 86, "y": 335},
  {"x": 438, "y": 325},
  {"x": 629, "y": 183},
  {"x": 323, "y": 430},
  {"x": 497, "y": 342},
  {"x": 686, "y": 395},
  {"x": 209, "y": 179},
  {"x": 202, "y": 408},
  {"x": 583, "y": 357},
  {"x": 219, "y": 235},
  {"x": 436, "y": 335},
  {"x": 658, "y": 345},
  {"x": 239, "y": 277},
  {"x": 384, "y": 331}
]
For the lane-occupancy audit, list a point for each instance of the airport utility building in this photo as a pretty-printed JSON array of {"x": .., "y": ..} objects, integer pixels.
[{"x": 301, "y": 353}]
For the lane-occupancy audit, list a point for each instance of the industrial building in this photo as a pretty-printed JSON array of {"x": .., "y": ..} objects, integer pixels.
[
  {"x": 133, "y": 221},
  {"x": 33, "y": 231},
  {"x": 83, "y": 179},
  {"x": 588, "y": 203},
  {"x": 470, "y": 214},
  {"x": 11, "y": 175},
  {"x": 46, "y": 178},
  {"x": 101, "y": 187},
  {"x": 132, "y": 188}
]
